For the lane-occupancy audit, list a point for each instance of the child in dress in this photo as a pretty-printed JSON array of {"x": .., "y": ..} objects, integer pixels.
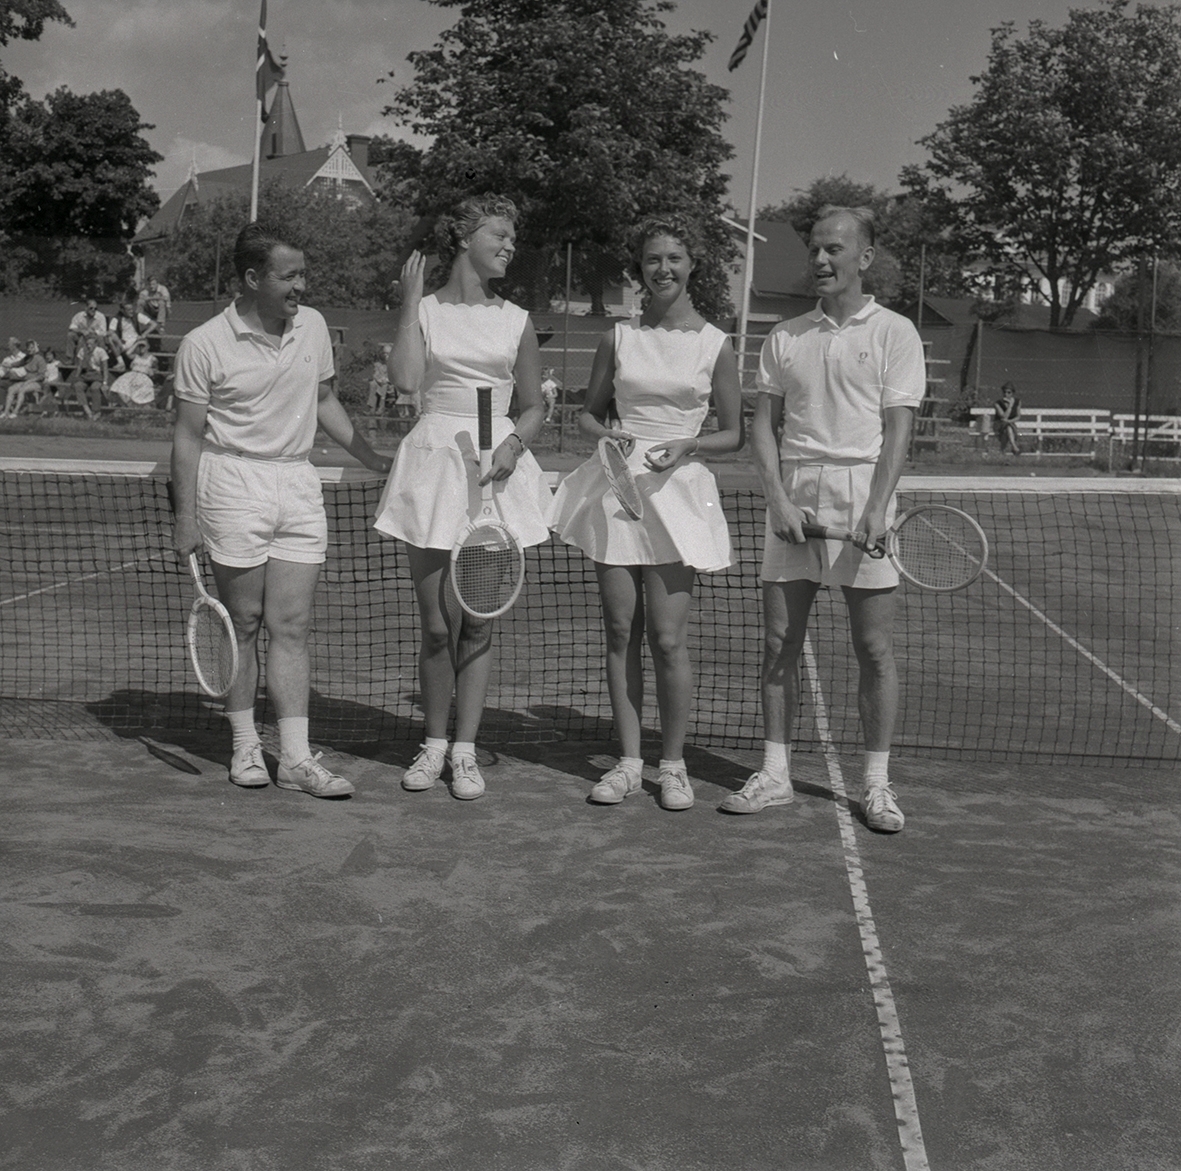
[
  {"x": 447, "y": 344},
  {"x": 661, "y": 371}
]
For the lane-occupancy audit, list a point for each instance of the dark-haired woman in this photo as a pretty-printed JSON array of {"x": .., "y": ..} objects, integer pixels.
[
  {"x": 448, "y": 343},
  {"x": 661, "y": 371}
]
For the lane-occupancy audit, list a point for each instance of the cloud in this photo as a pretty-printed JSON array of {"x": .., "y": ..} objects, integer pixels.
[{"x": 178, "y": 160}]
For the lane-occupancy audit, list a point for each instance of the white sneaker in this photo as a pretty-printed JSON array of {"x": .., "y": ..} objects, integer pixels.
[
  {"x": 425, "y": 769},
  {"x": 614, "y": 785},
  {"x": 759, "y": 792},
  {"x": 879, "y": 803},
  {"x": 675, "y": 790},
  {"x": 466, "y": 782},
  {"x": 247, "y": 767},
  {"x": 311, "y": 776}
]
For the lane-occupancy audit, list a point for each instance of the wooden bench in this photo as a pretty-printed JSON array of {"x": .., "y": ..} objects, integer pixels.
[{"x": 1084, "y": 424}]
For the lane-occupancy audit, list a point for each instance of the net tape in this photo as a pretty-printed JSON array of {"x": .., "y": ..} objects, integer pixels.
[{"x": 1064, "y": 650}]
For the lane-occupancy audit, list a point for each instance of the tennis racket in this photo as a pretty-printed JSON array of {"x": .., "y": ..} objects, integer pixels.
[
  {"x": 487, "y": 561},
  {"x": 210, "y": 636},
  {"x": 613, "y": 454},
  {"x": 934, "y": 546}
]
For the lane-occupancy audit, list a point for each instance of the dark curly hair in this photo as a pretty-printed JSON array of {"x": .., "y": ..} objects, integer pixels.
[
  {"x": 678, "y": 227},
  {"x": 465, "y": 218}
]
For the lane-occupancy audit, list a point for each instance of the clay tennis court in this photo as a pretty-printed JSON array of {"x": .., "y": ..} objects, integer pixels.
[{"x": 206, "y": 977}]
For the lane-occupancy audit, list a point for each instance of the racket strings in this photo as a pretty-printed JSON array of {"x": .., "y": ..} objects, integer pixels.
[
  {"x": 939, "y": 550},
  {"x": 623, "y": 483},
  {"x": 213, "y": 647},
  {"x": 486, "y": 571}
]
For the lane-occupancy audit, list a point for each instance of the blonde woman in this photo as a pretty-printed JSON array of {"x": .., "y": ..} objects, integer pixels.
[{"x": 449, "y": 342}]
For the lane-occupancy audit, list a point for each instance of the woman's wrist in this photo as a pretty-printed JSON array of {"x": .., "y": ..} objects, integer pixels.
[{"x": 520, "y": 443}]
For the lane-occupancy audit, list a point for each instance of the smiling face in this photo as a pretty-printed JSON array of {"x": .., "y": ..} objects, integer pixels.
[
  {"x": 838, "y": 255},
  {"x": 665, "y": 265},
  {"x": 278, "y": 290},
  {"x": 491, "y": 246}
]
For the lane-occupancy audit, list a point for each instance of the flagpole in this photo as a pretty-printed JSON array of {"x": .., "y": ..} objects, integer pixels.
[
  {"x": 258, "y": 99},
  {"x": 749, "y": 263}
]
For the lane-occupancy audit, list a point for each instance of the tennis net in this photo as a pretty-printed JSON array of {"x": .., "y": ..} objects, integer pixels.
[{"x": 1065, "y": 650}]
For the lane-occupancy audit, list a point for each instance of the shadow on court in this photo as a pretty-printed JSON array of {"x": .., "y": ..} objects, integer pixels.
[{"x": 204, "y": 977}]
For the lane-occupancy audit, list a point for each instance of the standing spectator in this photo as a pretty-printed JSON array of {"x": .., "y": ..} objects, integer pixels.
[
  {"x": 89, "y": 322},
  {"x": 32, "y": 382},
  {"x": 91, "y": 370},
  {"x": 549, "y": 391},
  {"x": 379, "y": 384}
]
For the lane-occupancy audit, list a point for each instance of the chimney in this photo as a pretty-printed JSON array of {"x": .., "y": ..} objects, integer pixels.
[{"x": 358, "y": 145}]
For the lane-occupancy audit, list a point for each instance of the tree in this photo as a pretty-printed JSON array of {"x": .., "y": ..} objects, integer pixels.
[
  {"x": 1068, "y": 158},
  {"x": 23, "y": 20},
  {"x": 1120, "y": 310},
  {"x": 588, "y": 115},
  {"x": 351, "y": 252},
  {"x": 903, "y": 227},
  {"x": 73, "y": 186}
]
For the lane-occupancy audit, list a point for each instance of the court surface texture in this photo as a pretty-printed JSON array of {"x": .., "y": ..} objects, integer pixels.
[{"x": 199, "y": 976}]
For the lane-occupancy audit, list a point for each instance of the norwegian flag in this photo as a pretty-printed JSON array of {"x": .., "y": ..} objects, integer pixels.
[{"x": 267, "y": 71}]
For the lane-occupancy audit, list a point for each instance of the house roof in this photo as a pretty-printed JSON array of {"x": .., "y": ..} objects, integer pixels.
[
  {"x": 296, "y": 170},
  {"x": 781, "y": 260}
]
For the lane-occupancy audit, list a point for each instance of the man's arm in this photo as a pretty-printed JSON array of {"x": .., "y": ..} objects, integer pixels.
[
  {"x": 896, "y": 427},
  {"x": 335, "y": 421},
  {"x": 186, "y": 455},
  {"x": 786, "y": 518}
]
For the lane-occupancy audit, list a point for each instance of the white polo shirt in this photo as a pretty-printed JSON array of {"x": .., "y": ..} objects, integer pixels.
[
  {"x": 261, "y": 392},
  {"x": 836, "y": 380}
]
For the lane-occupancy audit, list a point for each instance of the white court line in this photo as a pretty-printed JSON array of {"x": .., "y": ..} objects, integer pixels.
[
  {"x": 61, "y": 585},
  {"x": 906, "y": 1110},
  {"x": 1091, "y": 658}
]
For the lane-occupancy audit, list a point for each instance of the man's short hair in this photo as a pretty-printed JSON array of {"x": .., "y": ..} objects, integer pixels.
[
  {"x": 254, "y": 245},
  {"x": 864, "y": 217}
]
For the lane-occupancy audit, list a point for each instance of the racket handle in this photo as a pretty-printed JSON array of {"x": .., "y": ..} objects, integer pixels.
[
  {"x": 858, "y": 539},
  {"x": 484, "y": 417}
]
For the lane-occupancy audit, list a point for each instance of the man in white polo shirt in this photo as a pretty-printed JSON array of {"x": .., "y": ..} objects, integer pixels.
[
  {"x": 843, "y": 383},
  {"x": 252, "y": 385}
]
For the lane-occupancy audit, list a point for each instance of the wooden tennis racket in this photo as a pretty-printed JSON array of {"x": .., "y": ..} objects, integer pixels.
[
  {"x": 613, "y": 455},
  {"x": 934, "y": 546},
  {"x": 212, "y": 644},
  {"x": 487, "y": 561}
]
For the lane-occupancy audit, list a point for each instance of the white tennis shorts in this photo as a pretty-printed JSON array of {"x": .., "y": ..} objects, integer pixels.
[
  {"x": 250, "y": 510},
  {"x": 835, "y": 495}
]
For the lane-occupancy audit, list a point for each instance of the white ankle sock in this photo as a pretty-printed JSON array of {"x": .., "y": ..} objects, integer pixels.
[
  {"x": 632, "y": 765},
  {"x": 877, "y": 768},
  {"x": 776, "y": 760},
  {"x": 243, "y": 728},
  {"x": 679, "y": 765},
  {"x": 439, "y": 744},
  {"x": 293, "y": 740},
  {"x": 463, "y": 748}
]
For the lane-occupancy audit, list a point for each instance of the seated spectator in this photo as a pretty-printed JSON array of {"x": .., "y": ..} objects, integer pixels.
[
  {"x": 87, "y": 323},
  {"x": 12, "y": 366},
  {"x": 137, "y": 388},
  {"x": 156, "y": 302},
  {"x": 124, "y": 330},
  {"x": 379, "y": 384},
  {"x": 33, "y": 381},
  {"x": 1005, "y": 413},
  {"x": 91, "y": 376}
]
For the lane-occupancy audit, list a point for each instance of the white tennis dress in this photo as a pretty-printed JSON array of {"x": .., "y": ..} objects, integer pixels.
[
  {"x": 662, "y": 380},
  {"x": 432, "y": 488}
]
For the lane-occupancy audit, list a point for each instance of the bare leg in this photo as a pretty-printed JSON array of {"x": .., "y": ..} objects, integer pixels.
[
  {"x": 786, "y": 606},
  {"x": 622, "y": 597},
  {"x": 288, "y": 597},
  {"x": 871, "y": 623},
  {"x": 668, "y": 595},
  {"x": 241, "y": 592},
  {"x": 436, "y": 669}
]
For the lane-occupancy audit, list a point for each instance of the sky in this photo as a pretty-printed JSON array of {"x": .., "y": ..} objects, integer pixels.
[{"x": 851, "y": 84}]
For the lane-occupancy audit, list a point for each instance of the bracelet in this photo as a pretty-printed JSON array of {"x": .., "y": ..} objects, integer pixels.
[
  {"x": 514, "y": 435},
  {"x": 696, "y": 445}
]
